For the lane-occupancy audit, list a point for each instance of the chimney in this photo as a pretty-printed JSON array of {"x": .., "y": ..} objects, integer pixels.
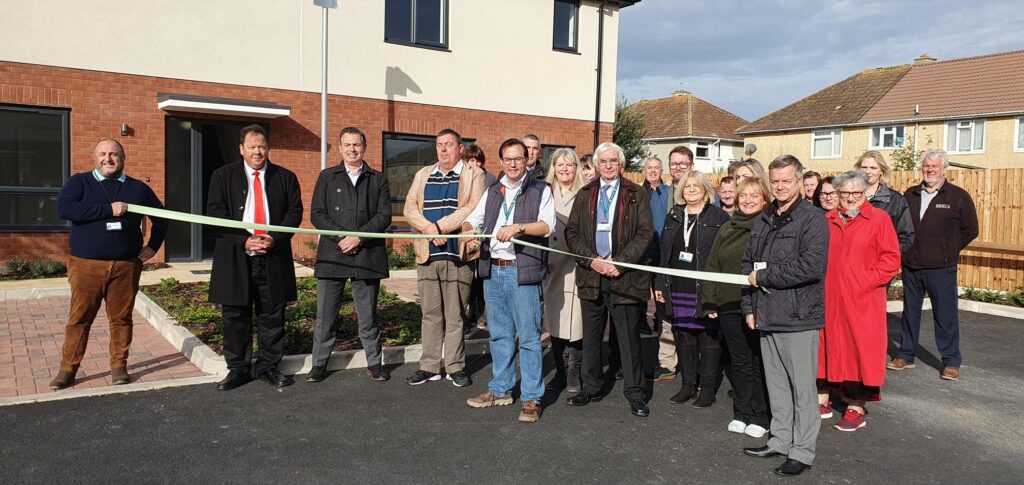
[{"x": 924, "y": 59}]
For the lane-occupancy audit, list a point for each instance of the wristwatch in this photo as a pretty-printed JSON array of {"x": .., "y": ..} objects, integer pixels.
[{"x": 522, "y": 228}]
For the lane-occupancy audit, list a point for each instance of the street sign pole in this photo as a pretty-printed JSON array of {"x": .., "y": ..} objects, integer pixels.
[{"x": 325, "y": 5}]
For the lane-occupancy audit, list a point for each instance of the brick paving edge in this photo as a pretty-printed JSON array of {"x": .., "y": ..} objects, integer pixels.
[{"x": 107, "y": 390}]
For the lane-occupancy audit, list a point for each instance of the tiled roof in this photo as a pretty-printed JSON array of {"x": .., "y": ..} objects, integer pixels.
[
  {"x": 954, "y": 88},
  {"x": 685, "y": 115},
  {"x": 840, "y": 104}
]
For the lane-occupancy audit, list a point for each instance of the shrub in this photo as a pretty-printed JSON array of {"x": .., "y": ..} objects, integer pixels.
[
  {"x": 1017, "y": 296},
  {"x": 404, "y": 258},
  {"x": 16, "y": 266},
  {"x": 44, "y": 267}
]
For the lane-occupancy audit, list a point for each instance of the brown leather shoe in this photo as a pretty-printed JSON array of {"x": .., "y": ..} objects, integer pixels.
[
  {"x": 63, "y": 380},
  {"x": 530, "y": 412},
  {"x": 900, "y": 364},
  {"x": 950, "y": 373},
  {"x": 488, "y": 399},
  {"x": 119, "y": 376}
]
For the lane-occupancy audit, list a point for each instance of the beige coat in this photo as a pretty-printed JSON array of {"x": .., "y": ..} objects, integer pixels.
[
  {"x": 471, "y": 189},
  {"x": 562, "y": 315}
]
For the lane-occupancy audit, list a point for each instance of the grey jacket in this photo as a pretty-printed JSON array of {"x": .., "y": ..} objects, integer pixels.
[
  {"x": 363, "y": 207},
  {"x": 794, "y": 246}
]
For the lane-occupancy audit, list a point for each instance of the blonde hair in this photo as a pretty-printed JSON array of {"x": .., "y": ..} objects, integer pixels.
[
  {"x": 878, "y": 159},
  {"x": 577, "y": 180},
  {"x": 701, "y": 179},
  {"x": 758, "y": 183}
]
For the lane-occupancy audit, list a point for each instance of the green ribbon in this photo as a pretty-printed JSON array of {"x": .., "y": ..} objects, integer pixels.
[{"x": 732, "y": 279}]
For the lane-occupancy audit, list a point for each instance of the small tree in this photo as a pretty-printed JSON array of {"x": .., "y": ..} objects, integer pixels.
[
  {"x": 629, "y": 133},
  {"x": 905, "y": 157}
]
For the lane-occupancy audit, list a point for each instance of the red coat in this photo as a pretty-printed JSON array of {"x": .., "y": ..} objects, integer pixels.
[{"x": 863, "y": 256}]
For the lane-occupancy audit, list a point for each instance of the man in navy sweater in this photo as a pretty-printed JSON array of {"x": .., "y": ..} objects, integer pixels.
[{"x": 106, "y": 256}]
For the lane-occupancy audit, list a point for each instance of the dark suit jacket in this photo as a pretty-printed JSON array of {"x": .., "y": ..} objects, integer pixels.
[
  {"x": 363, "y": 207},
  {"x": 632, "y": 233},
  {"x": 228, "y": 191}
]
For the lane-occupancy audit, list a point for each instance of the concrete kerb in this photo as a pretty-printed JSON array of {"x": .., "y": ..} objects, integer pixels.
[
  {"x": 968, "y": 305},
  {"x": 105, "y": 391}
]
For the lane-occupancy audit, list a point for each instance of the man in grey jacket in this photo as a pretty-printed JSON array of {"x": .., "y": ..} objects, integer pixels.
[
  {"x": 350, "y": 197},
  {"x": 787, "y": 256}
]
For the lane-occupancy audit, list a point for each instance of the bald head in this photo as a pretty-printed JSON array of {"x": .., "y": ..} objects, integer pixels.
[{"x": 108, "y": 156}]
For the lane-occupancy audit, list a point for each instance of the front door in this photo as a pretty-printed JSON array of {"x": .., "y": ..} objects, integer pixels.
[{"x": 194, "y": 148}]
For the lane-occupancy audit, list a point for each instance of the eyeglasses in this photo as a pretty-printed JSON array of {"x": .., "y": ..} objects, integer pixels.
[
  {"x": 679, "y": 165},
  {"x": 856, "y": 195},
  {"x": 829, "y": 195},
  {"x": 608, "y": 162},
  {"x": 514, "y": 160}
]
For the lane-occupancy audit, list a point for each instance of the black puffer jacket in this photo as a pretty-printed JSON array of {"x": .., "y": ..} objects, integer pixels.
[
  {"x": 894, "y": 204},
  {"x": 709, "y": 221},
  {"x": 794, "y": 246}
]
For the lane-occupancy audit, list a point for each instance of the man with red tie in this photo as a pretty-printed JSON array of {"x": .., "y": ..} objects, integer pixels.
[{"x": 254, "y": 268}]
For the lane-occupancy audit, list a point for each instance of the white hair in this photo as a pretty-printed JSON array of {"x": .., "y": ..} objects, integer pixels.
[
  {"x": 858, "y": 176},
  {"x": 935, "y": 154},
  {"x": 610, "y": 146}
]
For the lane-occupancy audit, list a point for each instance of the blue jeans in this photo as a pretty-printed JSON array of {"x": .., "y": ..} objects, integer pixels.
[{"x": 514, "y": 309}]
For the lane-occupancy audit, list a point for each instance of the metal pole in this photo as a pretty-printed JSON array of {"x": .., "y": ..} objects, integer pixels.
[
  {"x": 323, "y": 97},
  {"x": 600, "y": 57}
]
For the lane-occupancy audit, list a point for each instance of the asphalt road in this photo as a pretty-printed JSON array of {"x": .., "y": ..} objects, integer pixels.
[{"x": 347, "y": 429}]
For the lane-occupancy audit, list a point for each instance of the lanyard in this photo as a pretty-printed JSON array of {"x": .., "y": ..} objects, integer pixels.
[
  {"x": 687, "y": 228},
  {"x": 606, "y": 202},
  {"x": 507, "y": 209}
]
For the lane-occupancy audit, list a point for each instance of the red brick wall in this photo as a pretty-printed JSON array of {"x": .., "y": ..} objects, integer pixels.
[{"x": 100, "y": 101}]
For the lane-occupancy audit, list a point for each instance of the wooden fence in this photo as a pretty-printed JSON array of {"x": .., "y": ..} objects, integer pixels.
[{"x": 995, "y": 260}]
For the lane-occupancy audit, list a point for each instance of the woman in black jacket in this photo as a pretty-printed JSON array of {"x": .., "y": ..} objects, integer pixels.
[
  {"x": 690, "y": 229},
  {"x": 881, "y": 196}
]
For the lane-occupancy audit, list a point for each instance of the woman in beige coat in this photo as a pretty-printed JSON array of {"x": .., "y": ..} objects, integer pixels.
[{"x": 562, "y": 317}]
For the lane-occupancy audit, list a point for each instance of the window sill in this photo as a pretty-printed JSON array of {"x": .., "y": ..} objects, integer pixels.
[
  {"x": 973, "y": 152},
  {"x": 566, "y": 50},
  {"x": 34, "y": 229},
  {"x": 440, "y": 48},
  {"x": 830, "y": 157}
]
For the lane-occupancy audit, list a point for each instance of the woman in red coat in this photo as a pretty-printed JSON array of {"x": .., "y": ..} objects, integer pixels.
[{"x": 863, "y": 257}]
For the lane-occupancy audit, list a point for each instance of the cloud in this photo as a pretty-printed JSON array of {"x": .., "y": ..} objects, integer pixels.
[{"x": 753, "y": 57}]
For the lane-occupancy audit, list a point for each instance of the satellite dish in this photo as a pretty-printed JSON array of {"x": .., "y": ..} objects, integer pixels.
[{"x": 750, "y": 149}]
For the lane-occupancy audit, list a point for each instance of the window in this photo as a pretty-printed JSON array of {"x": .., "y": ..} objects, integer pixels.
[
  {"x": 967, "y": 136},
  {"x": 887, "y": 137},
  {"x": 34, "y": 155},
  {"x": 416, "y": 22},
  {"x": 827, "y": 144},
  {"x": 404, "y": 155},
  {"x": 702, "y": 150},
  {"x": 1018, "y": 142},
  {"x": 566, "y": 25}
]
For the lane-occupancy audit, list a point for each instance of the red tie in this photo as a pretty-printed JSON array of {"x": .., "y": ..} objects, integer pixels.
[{"x": 257, "y": 193}]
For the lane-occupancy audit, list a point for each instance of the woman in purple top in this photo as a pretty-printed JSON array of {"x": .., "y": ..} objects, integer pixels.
[{"x": 690, "y": 229}]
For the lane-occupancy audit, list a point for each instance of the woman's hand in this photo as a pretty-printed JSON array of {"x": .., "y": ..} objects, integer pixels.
[{"x": 659, "y": 297}]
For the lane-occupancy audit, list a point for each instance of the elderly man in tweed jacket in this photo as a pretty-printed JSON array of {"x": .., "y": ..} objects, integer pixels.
[{"x": 350, "y": 197}]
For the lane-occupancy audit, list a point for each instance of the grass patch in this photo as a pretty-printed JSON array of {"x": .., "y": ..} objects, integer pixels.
[{"x": 399, "y": 320}]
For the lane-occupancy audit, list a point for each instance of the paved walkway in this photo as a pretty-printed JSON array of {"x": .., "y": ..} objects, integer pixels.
[{"x": 31, "y": 336}]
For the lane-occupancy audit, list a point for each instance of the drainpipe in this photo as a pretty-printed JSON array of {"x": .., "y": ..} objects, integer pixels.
[{"x": 600, "y": 57}]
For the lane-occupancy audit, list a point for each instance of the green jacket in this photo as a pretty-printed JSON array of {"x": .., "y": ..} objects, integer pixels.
[{"x": 726, "y": 257}]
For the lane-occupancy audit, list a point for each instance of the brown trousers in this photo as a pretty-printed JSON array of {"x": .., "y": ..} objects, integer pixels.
[
  {"x": 444, "y": 288},
  {"x": 92, "y": 282}
]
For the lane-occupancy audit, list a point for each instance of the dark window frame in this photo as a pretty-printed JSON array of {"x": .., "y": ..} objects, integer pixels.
[
  {"x": 546, "y": 149},
  {"x": 575, "y": 47},
  {"x": 443, "y": 46},
  {"x": 65, "y": 115}
]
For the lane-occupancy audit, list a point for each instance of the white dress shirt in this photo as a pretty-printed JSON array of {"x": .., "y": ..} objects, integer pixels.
[{"x": 505, "y": 250}]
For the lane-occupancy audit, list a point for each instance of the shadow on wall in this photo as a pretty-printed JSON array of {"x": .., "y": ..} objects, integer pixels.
[
  {"x": 397, "y": 83},
  {"x": 288, "y": 134}
]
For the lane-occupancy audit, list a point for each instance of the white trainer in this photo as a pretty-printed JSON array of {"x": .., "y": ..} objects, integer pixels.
[
  {"x": 737, "y": 426},
  {"x": 754, "y": 431}
]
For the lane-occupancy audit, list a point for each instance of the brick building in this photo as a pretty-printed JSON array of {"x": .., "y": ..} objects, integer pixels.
[{"x": 176, "y": 90}]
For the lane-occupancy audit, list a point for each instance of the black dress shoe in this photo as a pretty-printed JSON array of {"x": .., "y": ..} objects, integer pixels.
[
  {"x": 639, "y": 408},
  {"x": 275, "y": 378},
  {"x": 235, "y": 378},
  {"x": 762, "y": 452},
  {"x": 377, "y": 373},
  {"x": 582, "y": 399},
  {"x": 317, "y": 374},
  {"x": 791, "y": 468}
]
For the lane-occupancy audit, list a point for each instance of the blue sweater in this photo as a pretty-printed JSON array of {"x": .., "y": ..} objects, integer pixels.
[{"x": 86, "y": 203}]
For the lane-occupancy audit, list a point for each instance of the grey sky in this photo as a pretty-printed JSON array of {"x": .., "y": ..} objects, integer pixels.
[{"x": 753, "y": 57}]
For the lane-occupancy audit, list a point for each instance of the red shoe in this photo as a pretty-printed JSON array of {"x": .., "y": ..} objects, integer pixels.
[
  {"x": 851, "y": 421},
  {"x": 826, "y": 411}
]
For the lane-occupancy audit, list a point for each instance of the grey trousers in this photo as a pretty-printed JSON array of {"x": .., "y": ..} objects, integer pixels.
[
  {"x": 444, "y": 288},
  {"x": 328, "y": 303},
  {"x": 790, "y": 370}
]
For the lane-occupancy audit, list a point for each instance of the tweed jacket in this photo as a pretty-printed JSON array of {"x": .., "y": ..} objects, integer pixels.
[{"x": 364, "y": 207}]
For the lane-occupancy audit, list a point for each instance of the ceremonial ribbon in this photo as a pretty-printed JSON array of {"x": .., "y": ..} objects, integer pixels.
[{"x": 733, "y": 279}]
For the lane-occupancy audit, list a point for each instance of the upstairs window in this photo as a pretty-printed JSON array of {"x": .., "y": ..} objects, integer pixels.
[
  {"x": 566, "y": 25},
  {"x": 416, "y": 22},
  {"x": 34, "y": 164},
  {"x": 827, "y": 144},
  {"x": 883, "y": 137},
  {"x": 965, "y": 136}
]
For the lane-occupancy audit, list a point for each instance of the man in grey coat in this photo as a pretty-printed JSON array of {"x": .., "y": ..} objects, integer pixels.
[
  {"x": 787, "y": 255},
  {"x": 350, "y": 197}
]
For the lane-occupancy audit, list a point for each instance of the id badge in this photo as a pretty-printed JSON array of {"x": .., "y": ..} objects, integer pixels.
[
  {"x": 685, "y": 257},
  {"x": 760, "y": 265},
  {"x": 604, "y": 227},
  {"x": 114, "y": 226}
]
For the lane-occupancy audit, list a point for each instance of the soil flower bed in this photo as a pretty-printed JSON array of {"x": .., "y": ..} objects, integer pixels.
[{"x": 186, "y": 302}]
